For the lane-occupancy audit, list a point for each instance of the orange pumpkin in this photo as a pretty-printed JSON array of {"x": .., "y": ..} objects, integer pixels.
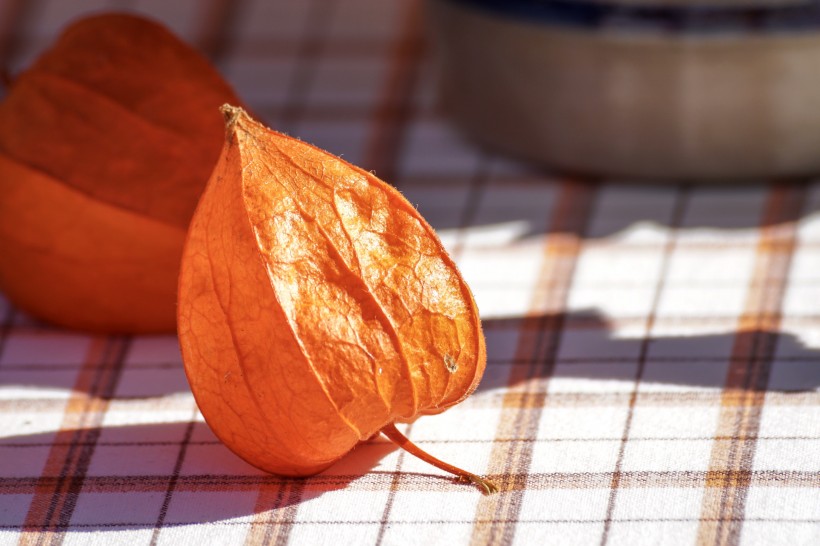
[
  {"x": 106, "y": 144},
  {"x": 316, "y": 306}
]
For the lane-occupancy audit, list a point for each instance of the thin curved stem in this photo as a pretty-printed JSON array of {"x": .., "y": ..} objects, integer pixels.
[{"x": 487, "y": 487}]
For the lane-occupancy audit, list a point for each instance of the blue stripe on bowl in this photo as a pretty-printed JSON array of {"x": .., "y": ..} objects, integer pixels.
[{"x": 700, "y": 19}]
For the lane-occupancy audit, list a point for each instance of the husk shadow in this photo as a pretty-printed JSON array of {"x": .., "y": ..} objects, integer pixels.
[
  {"x": 135, "y": 477},
  {"x": 583, "y": 345}
]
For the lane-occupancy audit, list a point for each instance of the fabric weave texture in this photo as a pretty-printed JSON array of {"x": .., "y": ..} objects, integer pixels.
[{"x": 654, "y": 350}]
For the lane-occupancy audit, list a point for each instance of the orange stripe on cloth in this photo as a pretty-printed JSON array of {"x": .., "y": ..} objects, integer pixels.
[
  {"x": 62, "y": 477},
  {"x": 394, "y": 109},
  {"x": 275, "y": 512},
  {"x": 217, "y": 30},
  {"x": 497, "y": 515},
  {"x": 741, "y": 405}
]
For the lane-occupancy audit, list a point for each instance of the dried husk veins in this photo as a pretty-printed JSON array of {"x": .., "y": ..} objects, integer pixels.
[
  {"x": 106, "y": 144},
  {"x": 316, "y": 305}
]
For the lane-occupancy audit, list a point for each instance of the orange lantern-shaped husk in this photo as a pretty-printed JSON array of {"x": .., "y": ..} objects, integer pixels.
[
  {"x": 316, "y": 306},
  {"x": 106, "y": 144}
]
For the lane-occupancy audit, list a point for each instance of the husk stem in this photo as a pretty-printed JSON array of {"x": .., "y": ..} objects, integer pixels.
[{"x": 486, "y": 486}]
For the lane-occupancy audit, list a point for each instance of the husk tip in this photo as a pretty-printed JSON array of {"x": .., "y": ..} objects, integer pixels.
[{"x": 232, "y": 115}]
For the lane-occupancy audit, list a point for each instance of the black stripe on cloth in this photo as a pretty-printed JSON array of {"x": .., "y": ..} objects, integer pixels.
[
  {"x": 637, "y": 479},
  {"x": 681, "y": 202},
  {"x": 755, "y": 438},
  {"x": 395, "y": 484},
  {"x": 172, "y": 481}
]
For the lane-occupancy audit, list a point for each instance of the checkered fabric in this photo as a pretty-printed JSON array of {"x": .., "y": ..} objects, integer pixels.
[{"x": 654, "y": 350}]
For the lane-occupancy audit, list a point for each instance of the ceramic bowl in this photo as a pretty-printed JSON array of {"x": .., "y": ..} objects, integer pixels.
[{"x": 668, "y": 90}]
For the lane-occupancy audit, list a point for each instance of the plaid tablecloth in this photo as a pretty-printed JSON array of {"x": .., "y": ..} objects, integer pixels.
[{"x": 654, "y": 350}]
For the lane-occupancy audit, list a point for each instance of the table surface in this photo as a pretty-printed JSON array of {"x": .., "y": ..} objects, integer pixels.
[{"x": 654, "y": 350}]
